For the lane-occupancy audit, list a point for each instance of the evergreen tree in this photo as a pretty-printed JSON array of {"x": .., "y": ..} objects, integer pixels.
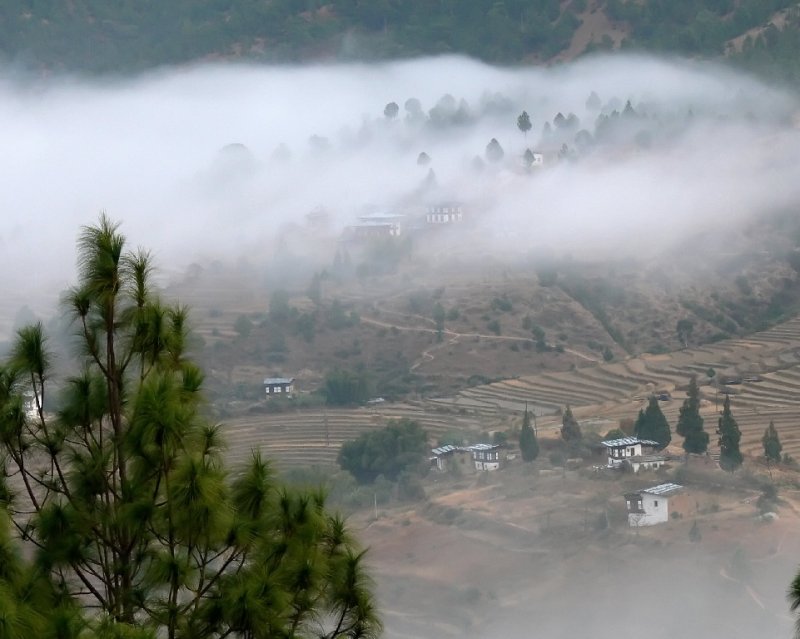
[
  {"x": 690, "y": 423},
  {"x": 651, "y": 424},
  {"x": 730, "y": 457},
  {"x": 524, "y": 123},
  {"x": 494, "y": 152},
  {"x": 528, "y": 444},
  {"x": 391, "y": 110},
  {"x": 124, "y": 496},
  {"x": 772, "y": 444},
  {"x": 570, "y": 429}
]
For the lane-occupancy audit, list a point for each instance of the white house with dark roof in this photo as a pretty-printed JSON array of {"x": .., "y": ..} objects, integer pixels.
[
  {"x": 279, "y": 386},
  {"x": 444, "y": 213},
  {"x": 486, "y": 456},
  {"x": 652, "y": 505},
  {"x": 633, "y": 450}
]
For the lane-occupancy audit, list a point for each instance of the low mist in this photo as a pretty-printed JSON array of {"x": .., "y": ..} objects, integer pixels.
[{"x": 214, "y": 161}]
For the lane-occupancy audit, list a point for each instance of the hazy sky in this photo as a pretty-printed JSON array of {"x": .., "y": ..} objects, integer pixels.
[{"x": 147, "y": 150}]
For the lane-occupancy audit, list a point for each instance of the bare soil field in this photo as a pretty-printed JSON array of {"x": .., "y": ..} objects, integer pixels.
[{"x": 515, "y": 558}]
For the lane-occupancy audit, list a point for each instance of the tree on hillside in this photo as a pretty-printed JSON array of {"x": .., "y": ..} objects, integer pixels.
[
  {"x": 400, "y": 446},
  {"x": 494, "y": 152},
  {"x": 391, "y": 110},
  {"x": 684, "y": 329},
  {"x": 528, "y": 158},
  {"x": 344, "y": 388},
  {"x": 730, "y": 457},
  {"x": 528, "y": 444},
  {"x": 652, "y": 424},
  {"x": 690, "y": 423},
  {"x": 124, "y": 497},
  {"x": 772, "y": 444},
  {"x": 570, "y": 429},
  {"x": 524, "y": 123}
]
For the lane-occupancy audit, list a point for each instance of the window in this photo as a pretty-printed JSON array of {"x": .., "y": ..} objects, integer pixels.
[
  {"x": 278, "y": 389},
  {"x": 655, "y": 503}
]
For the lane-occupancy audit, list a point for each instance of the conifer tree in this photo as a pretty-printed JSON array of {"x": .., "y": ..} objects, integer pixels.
[
  {"x": 690, "y": 423},
  {"x": 651, "y": 424},
  {"x": 570, "y": 429},
  {"x": 528, "y": 444},
  {"x": 730, "y": 457},
  {"x": 772, "y": 444},
  {"x": 524, "y": 123},
  {"x": 123, "y": 494}
]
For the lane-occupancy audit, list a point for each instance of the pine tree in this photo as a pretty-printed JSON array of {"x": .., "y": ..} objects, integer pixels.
[
  {"x": 528, "y": 444},
  {"x": 730, "y": 457},
  {"x": 690, "y": 423},
  {"x": 772, "y": 444},
  {"x": 651, "y": 424},
  {"x": 123, "y": 494},
  {"x": 570, "y": 429},
  {"x": 524, "y": 123}
]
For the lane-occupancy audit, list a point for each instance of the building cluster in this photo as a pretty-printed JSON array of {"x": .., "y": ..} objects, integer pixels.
[
  {"x": 475, "y": 457},
  {"x": 382, "y": 224}
]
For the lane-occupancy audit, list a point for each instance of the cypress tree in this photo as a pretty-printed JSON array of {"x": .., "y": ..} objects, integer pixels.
[
  {"x": 730, "y": 457},
  {"x": 690, "y": 423},
  {"x": 772, "y": 444},
  {"x": 528, "y": 444},
  {"x": 651, "y": 424},
  {"x": 570, "y": 429}
]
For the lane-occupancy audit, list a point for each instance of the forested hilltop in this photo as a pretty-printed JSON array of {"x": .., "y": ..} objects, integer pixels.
[{"x": 131, "y": 35}]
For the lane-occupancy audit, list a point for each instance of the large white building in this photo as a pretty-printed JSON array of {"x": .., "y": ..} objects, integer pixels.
[
  {"x": 637, "y": 452},
  {"x": 486, "y": 456}
]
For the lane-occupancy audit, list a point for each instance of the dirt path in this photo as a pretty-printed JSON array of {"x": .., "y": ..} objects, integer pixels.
[{"x": 427, "y": 356}]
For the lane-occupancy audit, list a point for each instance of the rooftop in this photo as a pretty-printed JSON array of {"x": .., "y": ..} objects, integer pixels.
[
  {"x": 443, "y": 450},
  {"x": 628, "y": 441},
  {"x": 663, "y": 489},
  {"x": 271, "y": 381},
  {"x": 484, "y": 446}
]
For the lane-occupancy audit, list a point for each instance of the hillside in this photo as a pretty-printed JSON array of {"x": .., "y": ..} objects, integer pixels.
[{"x": 96, "y": 36}]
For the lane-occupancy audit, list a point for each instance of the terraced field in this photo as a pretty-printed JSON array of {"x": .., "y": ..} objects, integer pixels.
[
  {"x": 314, "y": 437},
  {"x": 600, "y": 393}
]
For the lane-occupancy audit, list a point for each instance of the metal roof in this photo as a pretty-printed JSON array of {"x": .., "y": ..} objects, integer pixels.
[
  {"x": 663, "y": 489},
  {"x": 628, "y": 441},
  {"x": 443, "y": 450},
  {"x": 484, "y": 446},
  {"x": 271, "y": 381}
]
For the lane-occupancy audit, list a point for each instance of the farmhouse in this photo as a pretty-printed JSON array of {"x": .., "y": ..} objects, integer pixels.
[
  {"x": 283, "y": 386},
  {"x": 486, "y": 456},
  {"x": 629, "y": 448},
  {"x": 447, "y": 457},
  {"x": 444, "y": 213},
  {"x": 655, "y": 505}
]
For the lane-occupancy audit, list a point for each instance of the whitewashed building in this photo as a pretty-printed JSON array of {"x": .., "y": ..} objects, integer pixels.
[
  {"x": 445, "y": 213},
  {"x": 631, "y": 449},
  {"x": 652, "y": 505},
  {"x": 279, "y": 386},
  {"x": 486, "y": 456}
]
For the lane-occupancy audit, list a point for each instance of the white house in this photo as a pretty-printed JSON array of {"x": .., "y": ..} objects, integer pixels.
[
  {"x": 628, "y": 448},
  {"x": 652, "y": 505},
  {"x": 486, "y": 456},
  {"x": 445, "y": 213},
  {"x": 279, "y": 386}
]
